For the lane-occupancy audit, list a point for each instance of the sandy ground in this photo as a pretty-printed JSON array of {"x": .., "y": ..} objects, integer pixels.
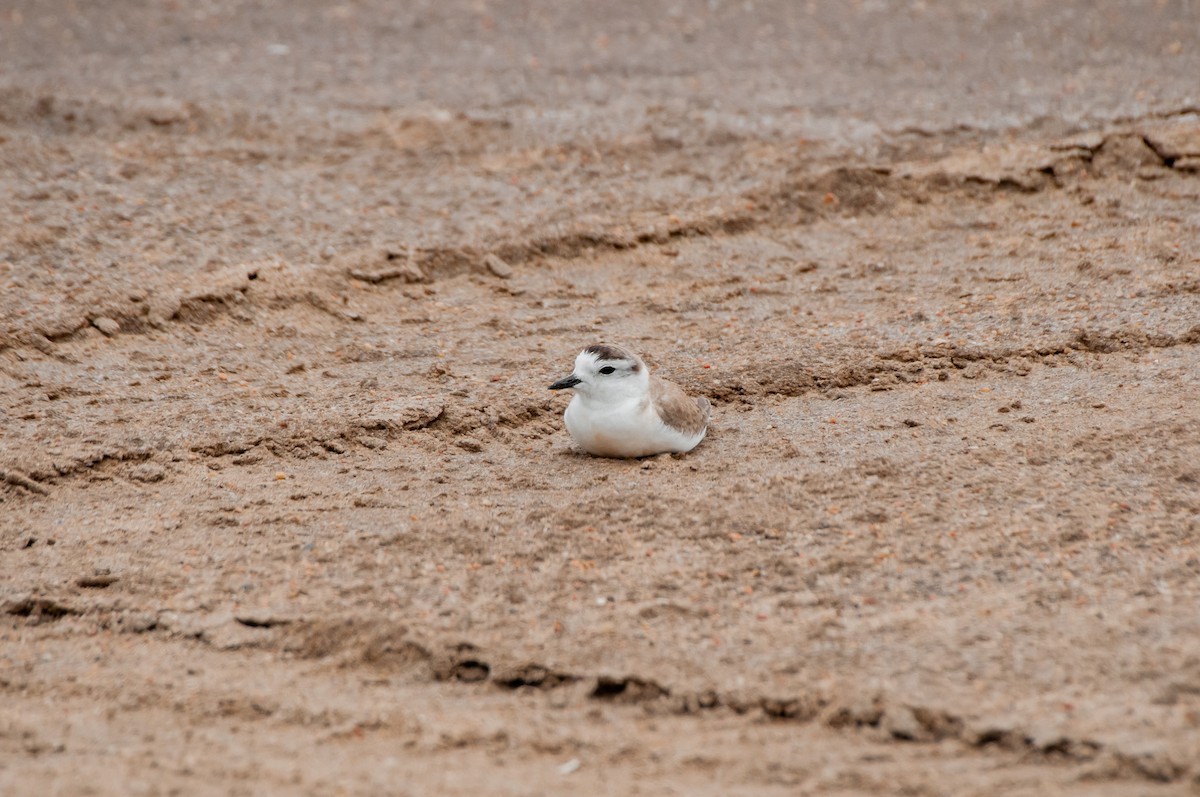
[{"x": 286, "y": 507}]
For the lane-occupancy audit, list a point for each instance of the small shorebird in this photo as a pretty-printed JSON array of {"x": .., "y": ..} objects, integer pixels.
[{"x": 620, "y": 410}]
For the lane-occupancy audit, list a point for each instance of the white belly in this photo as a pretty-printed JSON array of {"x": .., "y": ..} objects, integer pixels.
[{"x": 624, "y": 431}]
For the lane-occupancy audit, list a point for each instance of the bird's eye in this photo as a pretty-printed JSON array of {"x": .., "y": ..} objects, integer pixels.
[{"x": 608, "y": 369}]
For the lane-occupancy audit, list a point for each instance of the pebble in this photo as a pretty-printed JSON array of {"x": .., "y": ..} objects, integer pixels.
[
  {"x": 901, "y": 723},
  {"x": 148, "y": 472},
  {"x": 498, "y": 267},
  {"x": 139, "y": 622},
  {"x": 162, "y": 110},
  {"x": 106, "y": 325}
]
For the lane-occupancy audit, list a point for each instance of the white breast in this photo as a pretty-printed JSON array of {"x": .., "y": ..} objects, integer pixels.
[{"x": 629, "y": 429}]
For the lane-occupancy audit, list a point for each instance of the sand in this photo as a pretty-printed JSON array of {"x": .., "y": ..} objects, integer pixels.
[{"x": 286, "y": 506}]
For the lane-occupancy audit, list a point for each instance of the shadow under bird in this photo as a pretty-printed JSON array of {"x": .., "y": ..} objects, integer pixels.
[{"x": 620, "y": 409}]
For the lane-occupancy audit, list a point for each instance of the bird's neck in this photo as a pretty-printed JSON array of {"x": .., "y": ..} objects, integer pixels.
[{"x": 611, "y": 401}]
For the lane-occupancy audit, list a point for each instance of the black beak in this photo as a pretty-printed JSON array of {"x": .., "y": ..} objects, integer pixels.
[{"x": 563, "y": 384}]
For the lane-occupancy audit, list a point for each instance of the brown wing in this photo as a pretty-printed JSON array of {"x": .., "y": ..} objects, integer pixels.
[{"x": 688, "y": 415}]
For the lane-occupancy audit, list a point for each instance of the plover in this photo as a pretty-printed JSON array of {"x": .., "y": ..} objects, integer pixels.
[{"x": 621, "y": 410}]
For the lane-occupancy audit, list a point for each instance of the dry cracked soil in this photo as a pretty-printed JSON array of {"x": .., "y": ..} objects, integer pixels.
[{"x": 286, "y": 507}]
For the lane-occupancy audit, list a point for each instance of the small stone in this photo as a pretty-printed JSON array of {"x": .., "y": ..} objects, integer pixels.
[
  {"x": 139, "y": 622},
  {"x": 148, "y": 472},
  {"x": 163, "y": 111},
  {"x": 498, "y": 267},
  {"x": 901, "y": 723},
  {"x": 106, "y": 325}
]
